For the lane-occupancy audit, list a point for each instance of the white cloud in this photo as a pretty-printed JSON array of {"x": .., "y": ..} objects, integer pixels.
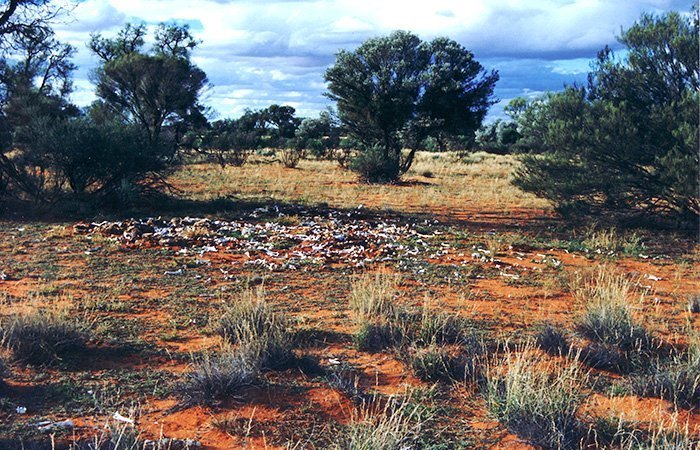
[{"x": 276, "y": 51}]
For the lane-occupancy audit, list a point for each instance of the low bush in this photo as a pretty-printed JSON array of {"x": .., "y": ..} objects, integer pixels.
[
  {"x": 538, "y": 403},
  {"x": 44, "y": 338},
  {"x": 290, "y": 157},
  {"x": 374, "y": 166}
]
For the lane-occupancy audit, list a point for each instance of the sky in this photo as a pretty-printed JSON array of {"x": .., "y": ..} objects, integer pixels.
[{"x": 260, "y": 52}]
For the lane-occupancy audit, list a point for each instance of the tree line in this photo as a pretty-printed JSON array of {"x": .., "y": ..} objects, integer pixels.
[{"x": 626, "y": 142}]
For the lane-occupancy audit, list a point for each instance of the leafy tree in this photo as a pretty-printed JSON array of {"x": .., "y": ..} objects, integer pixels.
[
  {"x": 319, "y": 135},
  {"x": 228, "y": 141},
  {"x": 395, "y": 91},
  {"x": 155, "y": 90},
  {"x": 34, "y": 87},
  {"x": 497, "y": 137},
  {"x": 627, "y": 144}
]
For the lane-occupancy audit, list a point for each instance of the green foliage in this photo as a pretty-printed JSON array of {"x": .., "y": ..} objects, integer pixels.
[
  {"x": 395, "y": 91},
  {"x": 320, "y": 135},
  {"x": 155, "y": 90},
  {"x": 497, "y": 137},
  {"x": 625, "y": 146},
  {"x": 94, "y": 158}
]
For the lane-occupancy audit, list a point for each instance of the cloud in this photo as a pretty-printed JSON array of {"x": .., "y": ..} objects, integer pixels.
[{"x": 261, "y": 52}]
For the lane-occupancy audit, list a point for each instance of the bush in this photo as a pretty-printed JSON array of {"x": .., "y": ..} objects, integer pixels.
[
  {"x": 85, "y": 157},
  {"x": 262, "y": 335},
  {"x": 535, "y": 404},
  {"x": 552, "y": 339},
  {"x": 373, "y": 165},
  {"x": 626, "y": 146},
  {"x": 218, "y": 377},
  {"x": 43, "y": 338}
]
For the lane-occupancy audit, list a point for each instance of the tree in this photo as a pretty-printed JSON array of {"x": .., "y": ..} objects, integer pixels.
[
  {"x": 627, "y": 144},
  {"x": 395, "y": 91},
  {"x": 155, "y": 90},
  {"x": 35, "y": 87},
  {"x": 319, "y": 135}
]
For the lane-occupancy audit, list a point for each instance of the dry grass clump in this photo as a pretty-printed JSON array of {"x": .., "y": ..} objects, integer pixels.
[
  {"x": 44, "y": 337},
  {"x": 618, "y": 342},
  {"x": 396, "y": 425},
  {"x": 538, "y": 401},
  {"x": 260, "y": 333},
  {"x": 218, "y": 376},
  {"x": 372, "y": 297},
  {"x": 610, "y": 242}
]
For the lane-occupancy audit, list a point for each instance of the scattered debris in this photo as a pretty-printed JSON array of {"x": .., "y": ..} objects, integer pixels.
[
  {"x": 48, "y": 426},
  {"x": 171, "y": 444},
  {"x": 21, "y": 410},
  {"x": 119, "y": 418}
]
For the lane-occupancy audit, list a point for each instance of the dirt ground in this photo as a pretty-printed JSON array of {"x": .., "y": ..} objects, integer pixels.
[{"x": 455, "y": 232}]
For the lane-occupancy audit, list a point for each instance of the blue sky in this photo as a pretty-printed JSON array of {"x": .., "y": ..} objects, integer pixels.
[{"x": 259, "y": 52}]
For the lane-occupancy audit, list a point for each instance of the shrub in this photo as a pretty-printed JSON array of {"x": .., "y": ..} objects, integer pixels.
[
  {"x": 261, "y": 334},
  {"x": 217, "y": 377},
  {"x": 43, "y": 338},
  {"x": 647, "y": 100},
  {"x": 536, "y": 403},
  {"x": 373, "y": 165},
  {"x": 552, "y": 339}
]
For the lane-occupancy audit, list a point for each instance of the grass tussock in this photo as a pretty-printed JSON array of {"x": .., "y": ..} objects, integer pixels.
[
  {"x": 260, "y": 333},
  {"x": 44, "y": 337},
  {"x": 538, "y": 401},
  {"x": 552, "y": 339},
  {"x": 676, "y": 379},
  {"x": 610, "y": 242},
  {"x": 396, "y": 425},
  {"x": 694, "y": 304},
  {"x": 617, "y": 340},
  {"x": 372, "y": 297},
  {"x": 218, "y": 376}
]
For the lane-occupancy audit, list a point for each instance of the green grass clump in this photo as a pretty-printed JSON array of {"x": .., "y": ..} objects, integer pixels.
[{"x": 552, "y": 339}]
